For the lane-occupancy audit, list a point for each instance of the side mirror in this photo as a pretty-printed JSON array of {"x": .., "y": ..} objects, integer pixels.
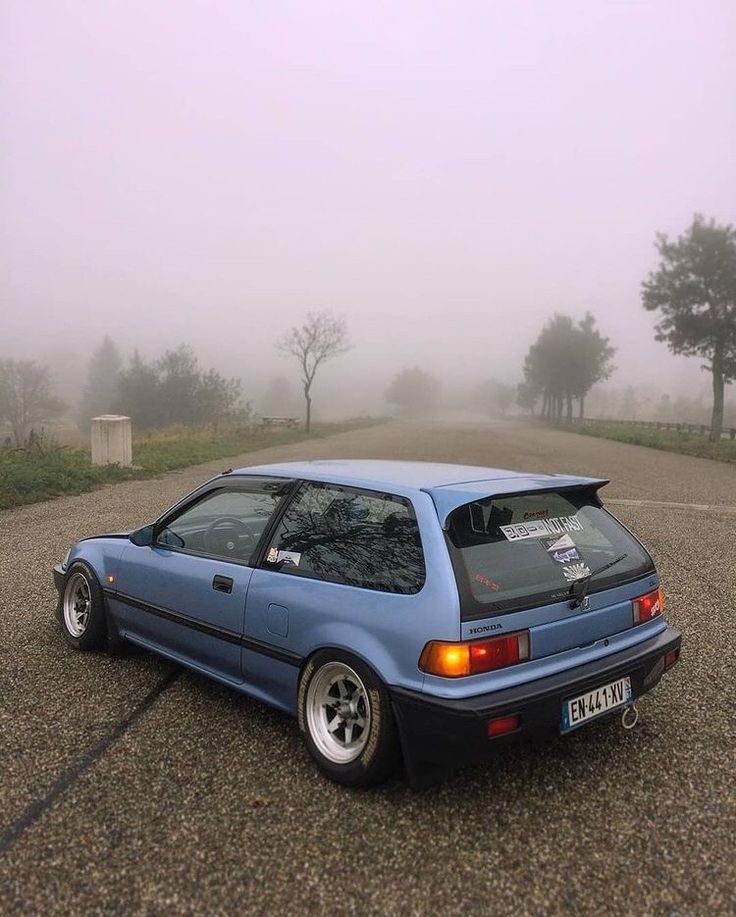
[{"x": 142, "y": 537}]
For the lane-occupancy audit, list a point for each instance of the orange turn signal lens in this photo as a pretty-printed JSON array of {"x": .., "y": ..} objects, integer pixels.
[
  {"x": 454, "y": 660},
  {"x": 451, "y": 660},
  {"x": 648, "y": 606}
]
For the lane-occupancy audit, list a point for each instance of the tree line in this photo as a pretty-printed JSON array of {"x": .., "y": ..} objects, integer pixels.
[
  {"x": 172, "y": 389},
  {"x": 693, "y": 290}
]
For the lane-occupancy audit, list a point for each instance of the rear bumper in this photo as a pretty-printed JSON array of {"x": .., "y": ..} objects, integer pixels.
[{"x": 438, "y": 734}]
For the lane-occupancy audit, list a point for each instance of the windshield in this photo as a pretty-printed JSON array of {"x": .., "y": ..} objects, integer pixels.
[{"x": 530, "y": 549}]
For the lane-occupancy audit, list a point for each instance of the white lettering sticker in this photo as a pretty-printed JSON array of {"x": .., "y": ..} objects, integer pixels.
[{"x": 537, "y": 528}]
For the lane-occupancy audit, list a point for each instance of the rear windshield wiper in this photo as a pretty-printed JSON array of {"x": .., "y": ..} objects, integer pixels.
[{"x": 584, "y": 581}]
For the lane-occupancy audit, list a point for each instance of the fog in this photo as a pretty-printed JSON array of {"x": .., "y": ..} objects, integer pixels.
[{"x": 446, "y": 175}]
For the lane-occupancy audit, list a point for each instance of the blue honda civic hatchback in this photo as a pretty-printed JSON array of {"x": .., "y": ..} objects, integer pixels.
[{"x": 403, "y": 611}]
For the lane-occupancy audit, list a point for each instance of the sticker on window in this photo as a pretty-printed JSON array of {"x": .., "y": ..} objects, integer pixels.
[
  {"x": 563, "y": 549},
  {"x": 289, "y": 558},
  {"x": 575, "y": 572},
  {"x": 538, "y": 528},
  {"x": 485, "y": 581}
]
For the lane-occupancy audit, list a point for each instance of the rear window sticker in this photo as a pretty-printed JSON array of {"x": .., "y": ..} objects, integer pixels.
[
  {"x": 289, "y": 557},
  {"x": 488, "y": 583},
  {"x": 536, "y": 514},
  {"x": 563, "y": 549},
  {"x": 575, "y": 572},
  {"x": 272, "y": 556},
  {"x": 537, "y": 528},
  {"x": 559, "y": 544}
]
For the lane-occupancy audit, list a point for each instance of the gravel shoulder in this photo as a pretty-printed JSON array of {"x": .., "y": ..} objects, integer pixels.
[{"x": 207, "y": 803}]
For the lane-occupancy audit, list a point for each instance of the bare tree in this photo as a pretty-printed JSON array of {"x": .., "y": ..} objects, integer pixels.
[
  {"x": 25, "y": 397},
  {"x": 321, "y": 337}
]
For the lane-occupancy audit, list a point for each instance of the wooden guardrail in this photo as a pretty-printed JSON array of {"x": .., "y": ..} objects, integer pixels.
[{"x": 699, "y": 429}]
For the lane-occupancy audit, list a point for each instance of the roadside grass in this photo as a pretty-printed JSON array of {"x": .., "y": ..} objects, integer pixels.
[
  {"x": 47, "y": 471},
  {"x": 666, "y": 440}
]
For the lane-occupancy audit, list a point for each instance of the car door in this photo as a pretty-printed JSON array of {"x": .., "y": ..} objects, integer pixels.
[{"x": 185, "y": 593}]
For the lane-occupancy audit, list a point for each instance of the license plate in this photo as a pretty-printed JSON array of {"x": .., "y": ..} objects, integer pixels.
[{"x": 588, "y": 706}]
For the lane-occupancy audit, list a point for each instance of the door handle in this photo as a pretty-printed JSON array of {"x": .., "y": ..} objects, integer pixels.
[{"x": 222, "y": 584}]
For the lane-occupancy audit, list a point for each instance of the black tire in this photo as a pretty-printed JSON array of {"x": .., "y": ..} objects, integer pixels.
[
  {"x": 91, "y": 634},
  {"x": 372, "y": 754}
]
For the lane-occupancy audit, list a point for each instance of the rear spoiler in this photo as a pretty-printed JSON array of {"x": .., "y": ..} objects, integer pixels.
[{"x": 449, "y": 497}]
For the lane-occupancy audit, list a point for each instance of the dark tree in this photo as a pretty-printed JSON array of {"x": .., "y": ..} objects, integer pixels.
[
  {"x": 322, "y": 337},
  {"x": 174, "y": 390},
  {"x": 694, "y": 289},
  {"x": 527, "y": 396},
  {"x": 590, "y": 362},
  {"x": 216, "y": 398},
  {"x": 101, "y": 390},
  {"x": 139, "y": 394},
  {"x": 25, "y": 397},
  {"x": 180, "y": 379},
  {"x": 565, "y": 362},
  {"x": 415, "y": 392}
]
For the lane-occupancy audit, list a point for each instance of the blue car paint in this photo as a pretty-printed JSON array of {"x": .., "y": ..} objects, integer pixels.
[
  {"x": 388, "y": 631},
  {"x": 183, "y": 582}
]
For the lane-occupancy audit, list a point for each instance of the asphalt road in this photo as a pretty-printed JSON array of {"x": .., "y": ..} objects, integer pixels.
[{"x": 130, "y": 786}]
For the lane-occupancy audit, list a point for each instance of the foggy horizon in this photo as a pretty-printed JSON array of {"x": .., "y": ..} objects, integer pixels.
[{"x": 446, "y": 177}]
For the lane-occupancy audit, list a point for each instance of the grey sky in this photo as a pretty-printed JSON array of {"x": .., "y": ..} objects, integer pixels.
[{"x": 445, "y": 174}]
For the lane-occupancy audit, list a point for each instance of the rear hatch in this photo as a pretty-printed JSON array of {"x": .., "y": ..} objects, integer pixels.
[{"x": 521, "y": 558}]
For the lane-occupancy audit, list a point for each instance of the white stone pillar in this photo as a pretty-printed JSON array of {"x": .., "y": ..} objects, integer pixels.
[{"x": 112, "y": 440}]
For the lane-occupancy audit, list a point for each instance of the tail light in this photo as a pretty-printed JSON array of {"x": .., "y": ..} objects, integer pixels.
[
  {"x": 453, "y": 660},
  {"x": 648, "y": 606}
]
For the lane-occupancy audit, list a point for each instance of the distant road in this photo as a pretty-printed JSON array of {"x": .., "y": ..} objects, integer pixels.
[{"x": 127, "y": 785}]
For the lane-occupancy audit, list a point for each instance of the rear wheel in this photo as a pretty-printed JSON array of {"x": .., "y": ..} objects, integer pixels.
[
  {"x": 345, "y": 714},
  {"x": 82, "y": 609}
]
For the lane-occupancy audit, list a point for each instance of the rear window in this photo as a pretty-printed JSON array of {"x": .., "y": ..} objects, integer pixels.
[{"x": 518, "y": 551}]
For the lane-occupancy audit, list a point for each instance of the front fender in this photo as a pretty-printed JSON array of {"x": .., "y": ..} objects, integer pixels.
[{"x": 103, "y": 555}]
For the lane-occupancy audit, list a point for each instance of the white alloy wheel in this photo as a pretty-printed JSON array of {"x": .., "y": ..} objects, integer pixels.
[
  {"x": 338, "y": 712},
  {"x": 77, "y": 604}
]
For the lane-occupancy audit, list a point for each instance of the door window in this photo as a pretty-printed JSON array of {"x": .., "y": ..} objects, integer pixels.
[
  {"x": 226, "y": 523},
  {"x": 356, "y": 537}
]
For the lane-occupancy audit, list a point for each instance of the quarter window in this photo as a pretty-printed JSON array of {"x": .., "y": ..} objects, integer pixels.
[{"x": 359, "y": 538}]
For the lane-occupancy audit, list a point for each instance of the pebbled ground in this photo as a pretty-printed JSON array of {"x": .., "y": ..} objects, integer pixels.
[{"x": 130, "y": 786}]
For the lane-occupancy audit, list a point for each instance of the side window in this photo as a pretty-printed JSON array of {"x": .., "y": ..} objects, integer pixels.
[
  {"x": 356, "y": 537},
  {"x": 225, "y": 523}
]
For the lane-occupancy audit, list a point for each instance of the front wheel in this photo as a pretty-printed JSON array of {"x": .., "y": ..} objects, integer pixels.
[
  {"x": 82, "y": 609},
  {"x": 345, "y": 714}
]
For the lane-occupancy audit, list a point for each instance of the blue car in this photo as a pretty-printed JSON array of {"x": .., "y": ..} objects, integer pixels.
[{"x": 403, "y": 611}]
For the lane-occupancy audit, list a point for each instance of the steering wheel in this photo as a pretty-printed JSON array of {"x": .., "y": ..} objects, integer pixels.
[{"x": 223, "y": 536}]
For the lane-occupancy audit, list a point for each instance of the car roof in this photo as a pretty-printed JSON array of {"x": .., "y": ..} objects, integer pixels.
[{"x": 449, "y": 485}]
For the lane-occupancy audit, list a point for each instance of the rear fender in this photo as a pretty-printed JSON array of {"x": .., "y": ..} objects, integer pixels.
[{"x": 360, "y": 643}]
